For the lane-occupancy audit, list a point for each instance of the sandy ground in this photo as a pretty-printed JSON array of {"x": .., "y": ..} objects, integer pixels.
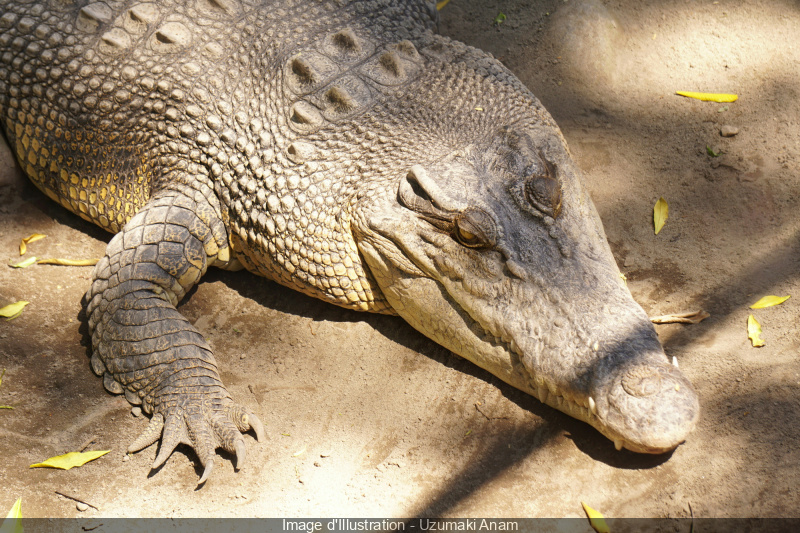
[{"x": 366, "y": 417}]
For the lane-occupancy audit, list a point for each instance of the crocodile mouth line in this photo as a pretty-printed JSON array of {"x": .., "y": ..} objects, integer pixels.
[{"x": 547, "y": 393}]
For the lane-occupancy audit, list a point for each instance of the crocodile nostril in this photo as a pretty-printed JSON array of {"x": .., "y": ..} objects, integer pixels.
[{"x": 641, "y": 381}]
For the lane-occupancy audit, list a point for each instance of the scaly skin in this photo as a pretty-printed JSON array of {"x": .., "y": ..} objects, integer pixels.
[{"x": 339, "y": 148}]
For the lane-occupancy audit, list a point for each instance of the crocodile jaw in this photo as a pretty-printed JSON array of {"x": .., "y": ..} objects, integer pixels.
[
  {"x": 544, "y": 309},
  {"x": 632, "y": 396}
]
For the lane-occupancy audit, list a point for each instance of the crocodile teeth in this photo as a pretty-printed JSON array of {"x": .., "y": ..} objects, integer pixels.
[
  {"x": 592, "y": 405},
  {"x": 674, "y": 361},
  {"x": 543, "y": 392},
  {"x": 618, "y": 444}
]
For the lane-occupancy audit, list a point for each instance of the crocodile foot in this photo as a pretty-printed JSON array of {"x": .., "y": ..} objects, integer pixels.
[{"x": 205, "y": 426}]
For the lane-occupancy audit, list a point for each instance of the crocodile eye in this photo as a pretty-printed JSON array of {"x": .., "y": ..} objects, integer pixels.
[
  {"x": 464, "y": 236},
  {"x": 474, "y": 228}
]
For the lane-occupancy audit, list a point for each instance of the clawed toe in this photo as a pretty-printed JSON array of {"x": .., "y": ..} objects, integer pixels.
[
  {"x": 171, "y": 436},
  {"x": 206, "y": 472},
  {"x": 258, "y": 427},
  {"x": 241, "y": 453},
  {"x": 204, "y": 429},
  {"x": 150, "y": 435}
]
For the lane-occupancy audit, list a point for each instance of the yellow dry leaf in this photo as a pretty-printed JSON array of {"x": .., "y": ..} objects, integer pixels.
[
  {"x": 692, "y": 317},
  {"x": 12, "y": 311},
  {"x": 25, "y": 263},
  {"x": 754, "y": 332},
  {"x": 23, "y": 244},
  {"x": 660, "y": 214},
  {"x": 70, "y": 460},
  {"x": 769, "y": 301},
  {"x": 709, "y": 97},
  {"x": 440, "y": 5},
  {"x": 67, "y": 262},
  {"x": 596, "y": 520},
  {"x": 300, "y": 452},
  {"x": 13, "y": 521}
]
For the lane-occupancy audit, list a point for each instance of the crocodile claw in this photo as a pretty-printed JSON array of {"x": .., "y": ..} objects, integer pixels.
[
  {"x": 241, "y": 453},
  {"x": 206, "y": 472},
  {"x": 170, "y": 439},
  {"x": 205, "y": 425},
  {"x": 150, "y": 435},
  {"x": 258, "y": 427}
]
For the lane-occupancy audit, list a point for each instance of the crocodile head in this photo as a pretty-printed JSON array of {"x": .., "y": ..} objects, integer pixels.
[{"x": 494, "y": 250}]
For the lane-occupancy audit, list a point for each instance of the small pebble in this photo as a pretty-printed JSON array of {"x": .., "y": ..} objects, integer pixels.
[
  {"x": 136, "y": 411},
  {"x": 126, "y": 458},
  {"x": 81, "y": 506},
  {"x": 728, "y": 131}
]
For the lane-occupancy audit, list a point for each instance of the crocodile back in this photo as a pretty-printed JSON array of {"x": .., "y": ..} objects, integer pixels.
[{"x": 106, "y": 102}]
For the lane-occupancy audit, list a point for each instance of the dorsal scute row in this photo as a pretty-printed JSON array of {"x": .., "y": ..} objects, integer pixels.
[{"x": 342, "y": 74}]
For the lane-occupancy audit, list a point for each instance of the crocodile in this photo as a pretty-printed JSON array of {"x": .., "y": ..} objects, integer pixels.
[{"x": 341, "y": 148}]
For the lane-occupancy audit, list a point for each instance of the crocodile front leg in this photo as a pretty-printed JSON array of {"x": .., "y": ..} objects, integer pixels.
[{"x": 143, "y": 347}]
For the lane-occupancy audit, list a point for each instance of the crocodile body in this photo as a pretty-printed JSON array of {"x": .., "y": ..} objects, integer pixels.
[{"x": 340, "y": 148}]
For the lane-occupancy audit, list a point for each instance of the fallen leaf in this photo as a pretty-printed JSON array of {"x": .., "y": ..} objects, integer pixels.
[
  {"x": 67, "y": 262},
  {"x": 24, "y": 263},
  {"x": 440, "y": 5},
  {"x": 709, "y": 97},
  {"x": 499, "y": 19},
  {"x": 710, "y": 151},
  {"x": 23, "y": 244},
  {"x": 660, "y": 214},
  {"x": 12, "y": 311},
  {"x": 70, "y": 460},
  {"x": 596, "y": 520},
  {"x": 692, "y": 317},
  {"x": 13, "y": 521},
  {"x": 300, "y": 452},
  {"x": 769, "y": 301},
  {"x": 754, "y": 332}
]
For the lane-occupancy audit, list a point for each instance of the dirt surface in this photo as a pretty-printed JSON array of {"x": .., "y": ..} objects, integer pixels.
[{"x": 366, "y": 417}]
